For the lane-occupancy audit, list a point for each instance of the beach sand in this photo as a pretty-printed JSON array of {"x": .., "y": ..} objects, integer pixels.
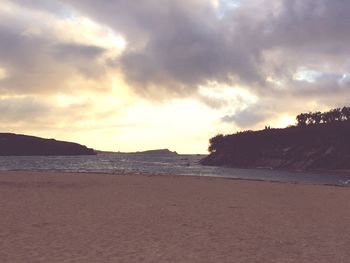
[{"x": 56, "y": 217}]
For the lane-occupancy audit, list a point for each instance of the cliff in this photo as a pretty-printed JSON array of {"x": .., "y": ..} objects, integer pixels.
[
  {"x": 321, "y": 146},
  {"x": 23, "y": 145}
]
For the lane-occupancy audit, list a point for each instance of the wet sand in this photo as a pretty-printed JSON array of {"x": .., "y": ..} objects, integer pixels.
[{"x": 55, "y": 217}]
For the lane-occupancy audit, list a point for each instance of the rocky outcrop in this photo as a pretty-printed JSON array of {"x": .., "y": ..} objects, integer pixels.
[
  {"x": 323, "y": 146},
  {"x": 23, "y": 145}
]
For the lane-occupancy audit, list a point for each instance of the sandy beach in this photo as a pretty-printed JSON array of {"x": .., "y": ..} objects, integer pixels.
[{"x": 55, "y": 217}]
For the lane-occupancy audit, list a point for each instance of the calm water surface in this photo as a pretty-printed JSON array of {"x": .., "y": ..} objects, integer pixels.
[{"x": 182, "y": 165}]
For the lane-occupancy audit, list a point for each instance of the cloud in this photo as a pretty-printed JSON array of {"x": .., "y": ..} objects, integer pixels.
[
  {"x": 37, "y": 58},
  {"x": 19, "y": 109},
  {"x": 175, "y": 47},
  {"x": 73, "y": 51},
  {"x": 53, "y": 7},
  {"x": 37, "y": 110},
  {"x": 246, "y": 118}
]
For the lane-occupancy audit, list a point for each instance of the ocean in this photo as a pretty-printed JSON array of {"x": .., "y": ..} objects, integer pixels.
[{"x": 145, "y": 164}]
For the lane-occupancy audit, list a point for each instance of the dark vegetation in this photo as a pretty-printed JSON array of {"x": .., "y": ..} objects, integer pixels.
[
  {"x": 23, "y": 145},
  {"x": 319, "y": 141},
  {"x": 334, "y": 115}
]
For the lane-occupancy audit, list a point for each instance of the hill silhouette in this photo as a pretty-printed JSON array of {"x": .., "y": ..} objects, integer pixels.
[
  {"x": 158, "y": 152},
  {"x": 309, "y": 145},
  {"x": 23, "y": 145}
]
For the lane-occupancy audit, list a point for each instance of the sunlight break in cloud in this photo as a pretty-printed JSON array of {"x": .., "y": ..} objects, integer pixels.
[{"x": 109, "y": 69}]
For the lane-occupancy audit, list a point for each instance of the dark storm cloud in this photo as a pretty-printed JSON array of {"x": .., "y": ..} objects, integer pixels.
[
  {"x": 70, "y": 51},
  {"x": 321, "y": 24},
  {"x": 81, "y": 57},
  {"x": 178, "y": 45}
]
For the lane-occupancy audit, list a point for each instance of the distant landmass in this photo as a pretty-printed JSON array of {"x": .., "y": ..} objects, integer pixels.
[
  {"x": 158, "y": 152},
  {"x": 149, "y": 152},
  {"x": 323, "y": 144},
  {"x": 24, "y": 145}
]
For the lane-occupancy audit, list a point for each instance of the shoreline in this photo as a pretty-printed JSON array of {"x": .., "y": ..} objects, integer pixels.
[{"x": 201, "y": 176}]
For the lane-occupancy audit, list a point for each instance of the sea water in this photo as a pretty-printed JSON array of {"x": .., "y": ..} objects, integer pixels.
[{"x": 146, "y": 164}]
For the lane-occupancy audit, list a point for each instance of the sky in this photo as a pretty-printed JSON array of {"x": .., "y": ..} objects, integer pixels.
[{"x": 123, "y": 75}]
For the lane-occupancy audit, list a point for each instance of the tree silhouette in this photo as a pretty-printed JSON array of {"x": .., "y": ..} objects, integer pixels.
[
  {"x": 336, "y": 114},
  {"x": 301, "y": 119},
  {"x": 327, "y": 117},
  {"x": 314, "y": 118},
  {"x": 215, "y": 142},
  {"x": 345, "y": 113}
]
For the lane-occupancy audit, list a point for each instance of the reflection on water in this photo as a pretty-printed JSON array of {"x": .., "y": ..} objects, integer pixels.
[{"x": 115, "y": 163}]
